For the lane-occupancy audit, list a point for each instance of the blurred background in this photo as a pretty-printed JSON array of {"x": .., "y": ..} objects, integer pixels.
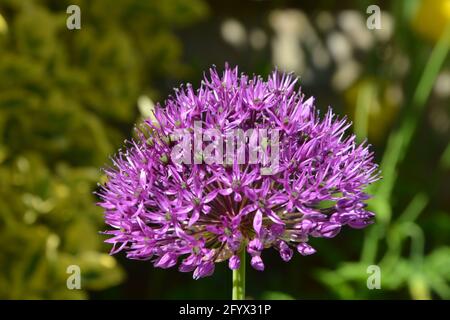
[{"x": 68, "y": 99}]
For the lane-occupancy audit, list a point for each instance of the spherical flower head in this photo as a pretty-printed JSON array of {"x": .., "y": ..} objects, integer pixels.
[{"x": 290, "y": 176}]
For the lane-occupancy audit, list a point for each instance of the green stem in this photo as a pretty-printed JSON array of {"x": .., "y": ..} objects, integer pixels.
[
  {"x": 365, "y": 96},
  {"x": 239, "y": 279}
]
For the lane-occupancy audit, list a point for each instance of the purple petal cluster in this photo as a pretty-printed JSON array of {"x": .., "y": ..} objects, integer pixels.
[{"x": 195, "y": 215}]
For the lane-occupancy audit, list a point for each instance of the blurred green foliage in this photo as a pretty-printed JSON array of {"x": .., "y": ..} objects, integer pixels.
[
  {"x": 397, "y": 242},
  {"x": 67, "y": 101}
]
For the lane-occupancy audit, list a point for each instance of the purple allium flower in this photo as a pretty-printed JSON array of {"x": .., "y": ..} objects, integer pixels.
[{"x": 195, "y": 215}]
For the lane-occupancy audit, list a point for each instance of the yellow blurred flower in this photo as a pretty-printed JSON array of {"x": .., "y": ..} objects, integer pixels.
[
  {"x": 380, "y": 108},
  {"x": 419, "y": 288},
  {"x": 3, "y": 25},
  {"x": 431, "y": 18}
]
